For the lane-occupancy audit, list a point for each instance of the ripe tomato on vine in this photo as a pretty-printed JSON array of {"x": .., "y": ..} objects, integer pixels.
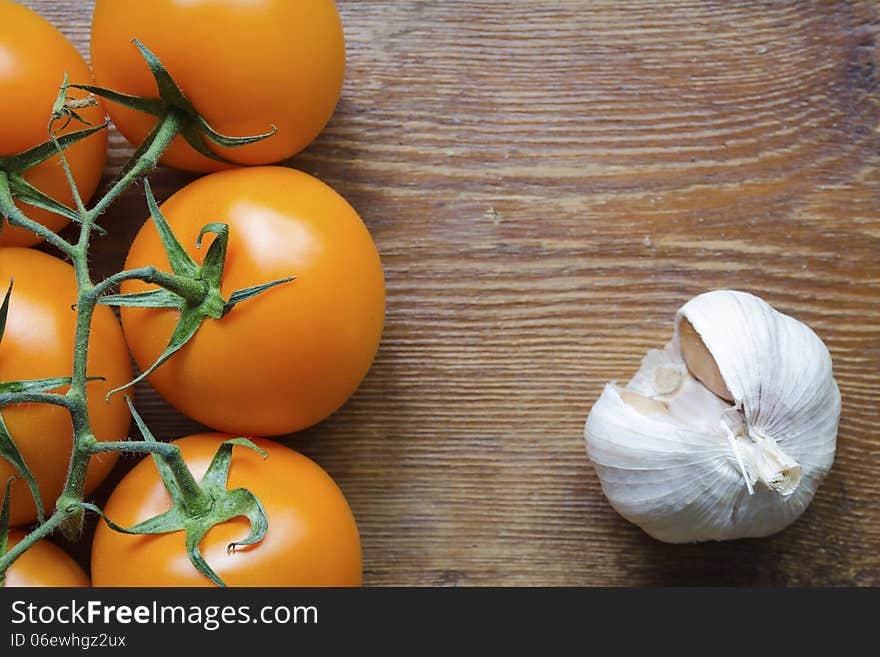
[
  {"x": 244, "y": 67},
  {"x": 289, "y": 358},
  {"x": 312, "y": 538}
]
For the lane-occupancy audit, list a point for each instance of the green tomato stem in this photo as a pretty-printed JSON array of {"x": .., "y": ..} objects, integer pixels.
[
  {"x": 191, "y": 291},
  {"x": 52, "y": 523},
  {"x": 194, "y": 498},
  {"x": 77, "y": 395},
  {"x": 169, "y": 127},
  {"x": 10, "y": 398},
  {"x": 77, "y": 197}
]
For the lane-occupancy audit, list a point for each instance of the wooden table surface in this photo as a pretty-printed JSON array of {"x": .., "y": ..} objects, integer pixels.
[{"x": 547, "y": 182}]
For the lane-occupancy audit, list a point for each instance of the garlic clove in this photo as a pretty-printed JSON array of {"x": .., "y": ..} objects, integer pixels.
[
  {"x": 699, "y": 360},
  {"x": 667, "y": 380},
  {"x": 643, "y": 404}
]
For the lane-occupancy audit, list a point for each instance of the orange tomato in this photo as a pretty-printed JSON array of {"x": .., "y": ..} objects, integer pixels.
[
  {"x": 33, "y": 59},
  {"x": 288, "y": 358},
  {"x": 312, "y": 538},
  {"x": 245, "y": 66},
  {"x": 44, "y": 564},
  {"x": 38, "y": 344}
]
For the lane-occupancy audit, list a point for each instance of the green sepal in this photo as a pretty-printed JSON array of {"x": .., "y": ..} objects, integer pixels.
[
  {"x": 160, "y": 298},
  {"x": 189, "y": 322},
  {"x": 222, "y": 233},
  {"x": 4, "y": 526},
  {"x": 164, "y": 469},
  {"x": 250, "y": 292},
  {"x": 23, "y": 191},
  {"x": 21, "y": 162},
  {"x": 152, "y": 106},
  {"x": 215, "y": 258},
  {"x": 181, "y": 263},
  {"x": 9, "y": 451},
  {"x": 195, "y": 129},
  {"x": 242, "y": 502},
  {"x": 165, "y": 523},
  {"x": 225, "y": 504},
  {"x": 218, "y": 471},
  {"x": 165, "y": 84},
  {"x": 231, "y": 142},
  {"x": 194, "y": 138},
  {"x": 37, "y": 385},
  {"x": 4, "y": 309}
]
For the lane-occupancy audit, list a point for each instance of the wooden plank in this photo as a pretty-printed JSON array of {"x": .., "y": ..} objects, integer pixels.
[{"x": 547, "y": 182}]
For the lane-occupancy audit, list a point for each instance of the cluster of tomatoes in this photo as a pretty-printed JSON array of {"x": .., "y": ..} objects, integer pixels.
[{"x": 282, "y": 362}]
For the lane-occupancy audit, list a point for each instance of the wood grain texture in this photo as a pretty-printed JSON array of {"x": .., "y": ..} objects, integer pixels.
[{"x": 547, "y": 182}]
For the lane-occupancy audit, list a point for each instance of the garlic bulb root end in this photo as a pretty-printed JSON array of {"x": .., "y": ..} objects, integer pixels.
[{"x": 773, "y": 467}]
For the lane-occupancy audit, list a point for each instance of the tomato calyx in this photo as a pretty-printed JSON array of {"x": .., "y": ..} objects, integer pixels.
[
  {"x": 193, "y": 127},
  {"x": 197, "y": 507},
  {"x": 193, "y": 290}
]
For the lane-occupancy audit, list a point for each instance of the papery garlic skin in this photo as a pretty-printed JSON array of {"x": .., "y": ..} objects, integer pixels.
[{"x": 686, "y": 465}]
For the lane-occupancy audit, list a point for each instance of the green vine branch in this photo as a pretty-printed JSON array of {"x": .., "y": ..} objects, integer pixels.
[
  {"x": 42, "y": 530},
  {"x": 191, "y": 288}
]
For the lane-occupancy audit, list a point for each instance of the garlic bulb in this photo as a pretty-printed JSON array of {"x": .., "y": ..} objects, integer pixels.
[{"x": 727, "y": 432}]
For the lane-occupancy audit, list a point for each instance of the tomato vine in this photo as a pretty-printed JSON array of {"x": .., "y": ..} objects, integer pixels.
[{"x": 192, "y": 289}]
